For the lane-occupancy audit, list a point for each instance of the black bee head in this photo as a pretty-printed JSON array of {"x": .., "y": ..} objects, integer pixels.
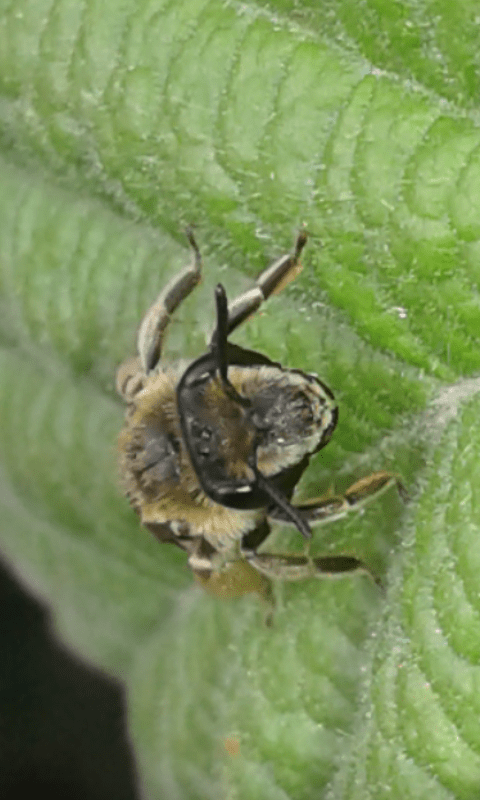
[{"x": 247, "y": 422}]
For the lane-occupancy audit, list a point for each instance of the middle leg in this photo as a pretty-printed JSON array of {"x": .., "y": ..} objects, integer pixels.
[{"x": 332, "y": 507}]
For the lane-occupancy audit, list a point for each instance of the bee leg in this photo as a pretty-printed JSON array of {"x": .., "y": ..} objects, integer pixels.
[
  {"x": 332, "y": 507},
  {"x": 295, "y": 567},
  {"x": 271, "y": 280},
  {"x": 155, "y": 321}
]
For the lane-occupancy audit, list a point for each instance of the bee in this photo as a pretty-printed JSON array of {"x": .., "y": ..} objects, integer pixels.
[{"x": 212, "y": 449}]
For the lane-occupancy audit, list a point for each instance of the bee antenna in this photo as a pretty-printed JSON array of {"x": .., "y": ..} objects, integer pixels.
[
  {"x": 281, "y": 501},
  {"x": 219, "y": 338},
  {"x": 219, "y": 345}
]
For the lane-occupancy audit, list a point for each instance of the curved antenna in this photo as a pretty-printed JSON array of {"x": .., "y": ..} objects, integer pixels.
[{"x": 281, "y": 501}]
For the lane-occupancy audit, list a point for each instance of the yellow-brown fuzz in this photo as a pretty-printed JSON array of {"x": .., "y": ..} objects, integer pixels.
[
  {"x": 179, "y": 499},
  {"x": 246, "y": 450},
  {"x": 236, "y": 433}
]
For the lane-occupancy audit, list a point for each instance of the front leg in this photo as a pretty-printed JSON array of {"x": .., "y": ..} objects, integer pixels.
[{"x": 153, "y": 326}]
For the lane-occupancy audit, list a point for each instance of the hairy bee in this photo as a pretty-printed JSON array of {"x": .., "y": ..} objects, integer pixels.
[{"x": 211, "y": 451}]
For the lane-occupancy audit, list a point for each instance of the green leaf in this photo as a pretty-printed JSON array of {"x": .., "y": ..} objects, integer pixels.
[{"x": 120, "y": 123}]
